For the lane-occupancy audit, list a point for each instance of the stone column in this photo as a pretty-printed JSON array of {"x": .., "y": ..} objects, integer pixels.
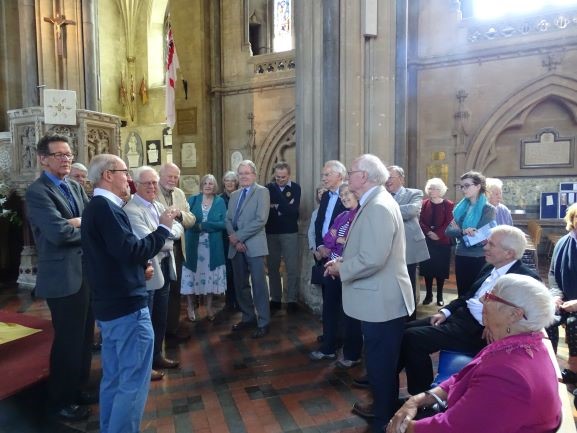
[
  {"x": 29, "y": 65},
  {"x": 90, "y": 42},
  {"x": 331, "y": 74}
]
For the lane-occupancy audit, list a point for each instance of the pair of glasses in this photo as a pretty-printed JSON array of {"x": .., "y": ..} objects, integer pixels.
[
  {"x": 149, "y": 183},
  {"x": 466, "y": 186},
  {"x": 349, "y": 173},
  {"x": 491, "y": 297},
  {"x": 62, "y": 156},
  {"x": 123, "y": 170}
]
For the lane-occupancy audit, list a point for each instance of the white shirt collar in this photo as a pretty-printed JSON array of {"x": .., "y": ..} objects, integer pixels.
[{"x": 109, "y": 195}]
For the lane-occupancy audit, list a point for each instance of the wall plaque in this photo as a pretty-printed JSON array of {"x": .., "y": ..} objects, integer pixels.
[
  {"x": 186, "y": 121},
  {"x": 547, "y": 149}
]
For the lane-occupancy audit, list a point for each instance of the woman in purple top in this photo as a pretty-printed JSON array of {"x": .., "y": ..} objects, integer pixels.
[
  {"x": 511, "y": 385},
  {"x": 495, "y": 196},
  {"x": 333, "y": 313}
]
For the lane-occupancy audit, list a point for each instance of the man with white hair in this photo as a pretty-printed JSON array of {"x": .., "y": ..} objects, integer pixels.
[
  {"x": 375, "y": 283},
  {"x": 78, "y": 172},
  {"x": 170, "y": 195},
  {"x": 143, "y": 212},
  {"x": 114, "y": 262},
  {"x": 459, "y": 325}
]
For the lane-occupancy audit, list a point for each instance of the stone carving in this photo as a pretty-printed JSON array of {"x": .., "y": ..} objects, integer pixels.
[
  {"x": 98, "y": 141},
  {"x": 28, "y": 146}
]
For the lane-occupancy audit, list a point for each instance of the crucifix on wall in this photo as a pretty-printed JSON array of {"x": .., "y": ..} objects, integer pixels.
[{"x": 59, "y": 23}]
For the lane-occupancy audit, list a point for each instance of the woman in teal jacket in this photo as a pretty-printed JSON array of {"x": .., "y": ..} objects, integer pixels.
[{"x": 204, "y": 270}]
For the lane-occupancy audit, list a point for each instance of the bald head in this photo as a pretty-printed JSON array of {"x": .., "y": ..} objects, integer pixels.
[{"x": 169, "y": 176}]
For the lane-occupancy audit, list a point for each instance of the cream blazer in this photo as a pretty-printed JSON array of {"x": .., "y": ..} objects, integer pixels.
[{"x": 376, "y": 284}]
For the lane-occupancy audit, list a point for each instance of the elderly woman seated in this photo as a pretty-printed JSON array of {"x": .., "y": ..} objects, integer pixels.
[{"x": 511, "y": 385}]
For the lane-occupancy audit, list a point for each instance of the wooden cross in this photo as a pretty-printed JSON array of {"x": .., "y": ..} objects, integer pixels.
[{"x": 59, "y": 22}]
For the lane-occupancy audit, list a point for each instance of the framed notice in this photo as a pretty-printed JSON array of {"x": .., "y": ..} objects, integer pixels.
[
  {"x": 549, "y": 206},
  {"x": 153, "y": 152}
]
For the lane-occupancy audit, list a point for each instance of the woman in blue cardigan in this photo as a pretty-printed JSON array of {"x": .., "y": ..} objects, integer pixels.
[{"x": 204, "y": 270}]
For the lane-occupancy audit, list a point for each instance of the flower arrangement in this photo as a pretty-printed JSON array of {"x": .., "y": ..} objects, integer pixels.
[{"x": 7, "y": 211}]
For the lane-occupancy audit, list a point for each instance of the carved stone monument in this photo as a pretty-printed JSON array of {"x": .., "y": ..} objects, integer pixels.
[{"x": 94, "y": 133}]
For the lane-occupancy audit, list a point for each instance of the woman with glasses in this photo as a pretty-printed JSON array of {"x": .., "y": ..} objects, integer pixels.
[
  {"x": 335, "y": 240},
  {"x": 470, "y": 214},
  {"x": 229, "y": 185},
  {"x": 511, "y": 385},
  {"x": 563, "y": 282},
  {"x": 204, "y": 270},
  {"x": 436, "y": 214}
]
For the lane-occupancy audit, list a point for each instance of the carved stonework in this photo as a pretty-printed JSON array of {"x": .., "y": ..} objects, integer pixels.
[
  {"x": 27, "y": 270},
  {"x": 279, "y": 145},
  {"x": 98, "y": 142}
]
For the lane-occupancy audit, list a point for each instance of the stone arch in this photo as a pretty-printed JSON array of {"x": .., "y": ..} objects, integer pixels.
[
  {"x": 514, "y": 112},
  {"x": 278, "y": 143}
]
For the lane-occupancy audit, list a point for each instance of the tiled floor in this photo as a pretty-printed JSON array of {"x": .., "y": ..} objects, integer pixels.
[{"x": 227, "y": 382}]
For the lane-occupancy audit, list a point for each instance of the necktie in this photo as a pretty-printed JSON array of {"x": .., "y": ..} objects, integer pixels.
[
  {"x": 238, "y": 207},
  {"x": 66, "y": 190}
]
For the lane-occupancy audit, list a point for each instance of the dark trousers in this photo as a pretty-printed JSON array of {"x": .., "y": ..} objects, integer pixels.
[
  {"x": 460, "y": 333},
  {"x": 333, "y": 316},
  {"x": 71, "y": 353},
  {"x": 230, "y": 294},
  {"x": 467, "y": 271},
  {"x": 382, "y": 348},
  {"x": 173, "y": 316},
  {"x": 158, "y": 306}
]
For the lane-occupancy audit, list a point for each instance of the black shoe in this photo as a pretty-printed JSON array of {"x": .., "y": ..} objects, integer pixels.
[
  {"x": 73, "y": 413},
  {"x": 440, "y": 302},
  {"x": 260, "y": 332},
  {"x": 568, "y": 377},
  {"x": 363, "y": 410},
  {"x": 275, "y": 305},
  {"x": 427, "y": 300},
  {"x": 361, "y": 382},
  {"x": 292, "y": 307},
  {"x": 87, "y": 397},
  {"x": 243, "y": 325}
]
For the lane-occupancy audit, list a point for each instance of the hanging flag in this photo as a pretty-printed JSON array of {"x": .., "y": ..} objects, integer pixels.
[
  {"x": 143, "y": 91},
  {"x": 171, "y": 66}
]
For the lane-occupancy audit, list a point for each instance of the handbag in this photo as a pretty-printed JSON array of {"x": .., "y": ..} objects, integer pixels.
[{"x": 317, "y": 272}]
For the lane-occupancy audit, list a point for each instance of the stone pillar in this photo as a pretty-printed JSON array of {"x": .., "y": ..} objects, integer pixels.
[
  {"x": 29, "y": 65},
  {"x": 90, "y": 41},
  {"x": 331, "y": 82}
]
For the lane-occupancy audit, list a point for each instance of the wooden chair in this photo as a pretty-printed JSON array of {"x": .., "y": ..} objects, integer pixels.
[{"x": 534, "y": 231}]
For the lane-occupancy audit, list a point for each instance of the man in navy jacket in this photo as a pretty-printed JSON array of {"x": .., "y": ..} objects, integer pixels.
[{"x": 114, "y": 264}]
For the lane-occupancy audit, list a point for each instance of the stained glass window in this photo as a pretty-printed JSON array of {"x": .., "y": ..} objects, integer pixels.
[{"x": 283, "y": 24}]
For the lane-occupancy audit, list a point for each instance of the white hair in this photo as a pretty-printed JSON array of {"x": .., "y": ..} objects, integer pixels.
[
  {"x": 531, "y": 296},
  {"x": 247, "y": 163},
  {"x": 338, "y": 167},
  {"x": 99, "y": 164},
  {"x": 79, "y": 166},
  {"x": 138, "y": 172},
  {"x": 512, "y": 239},
  {"x": 494, "y": 183},
  {"x": 437, "y": 183},
  {"x": 372, "y": 165}
]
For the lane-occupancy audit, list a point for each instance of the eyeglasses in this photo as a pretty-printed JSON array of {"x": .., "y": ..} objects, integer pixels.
[
  {"x": 62, "y": 156},
  {"x": 123, "y": 170},
  {"x": 490, "y": 297},
  {"x": 466, "y": 186},
  {"x": 349, "y": 173},
  {"x": 149, "y": 183}
]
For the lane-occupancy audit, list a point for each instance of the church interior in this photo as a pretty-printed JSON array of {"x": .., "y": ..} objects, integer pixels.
[{"x": 439, "y": 87}]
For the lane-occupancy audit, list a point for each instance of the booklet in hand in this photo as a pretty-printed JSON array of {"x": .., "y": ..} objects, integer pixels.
[{"x": 482, "y": 234}]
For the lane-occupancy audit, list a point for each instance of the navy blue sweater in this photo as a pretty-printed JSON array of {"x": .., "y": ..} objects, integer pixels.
[
  {"x": 284, "y": 219},
  {"x": 114, "y": 259}
]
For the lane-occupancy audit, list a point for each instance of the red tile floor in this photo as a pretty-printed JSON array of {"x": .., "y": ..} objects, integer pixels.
[{"x": 227, "y": 382}]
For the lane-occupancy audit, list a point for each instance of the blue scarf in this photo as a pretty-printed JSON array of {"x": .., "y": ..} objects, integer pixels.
[
  {"x": 566, "y": 266},
  {"x": 471, "y": 219}
]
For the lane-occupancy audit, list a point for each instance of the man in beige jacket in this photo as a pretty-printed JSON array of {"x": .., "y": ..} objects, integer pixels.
[
  {"x": 170, "y": 195},
  {"x": 376, "y": 285}
]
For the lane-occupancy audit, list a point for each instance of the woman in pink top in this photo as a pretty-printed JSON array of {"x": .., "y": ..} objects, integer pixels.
[{"x": 511, "y": 385}]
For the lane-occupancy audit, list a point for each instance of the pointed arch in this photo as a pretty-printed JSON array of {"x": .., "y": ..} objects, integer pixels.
[
  {"x": 280, "y": 139},
  {"x": 514, "y": 112}
]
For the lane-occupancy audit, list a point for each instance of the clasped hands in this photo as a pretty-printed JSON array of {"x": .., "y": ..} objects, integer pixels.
[
  {"x": 333, "y": 267},
  {"x": 236, "y": 242}
]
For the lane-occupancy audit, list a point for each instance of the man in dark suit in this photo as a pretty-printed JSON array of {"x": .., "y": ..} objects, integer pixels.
[
  {"x": 114, "y": 262},
  {"x": 54, "y": 206},
  {"x": 410, "y": 202},
  {"x": 459, "y": 325},
  {"x": 245, "y": 223},
  {"x": 333, "y": 175},
  {"x": 282, "y": 236}
]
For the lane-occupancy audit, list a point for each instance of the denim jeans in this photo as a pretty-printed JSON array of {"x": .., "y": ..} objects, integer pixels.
[{"x": 127, "y": 344}]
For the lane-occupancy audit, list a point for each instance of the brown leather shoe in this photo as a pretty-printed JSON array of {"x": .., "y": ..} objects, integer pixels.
[
  {"x": 156, "y": 375},
  {"x": 163, "y": 362},
  {"x": 363, "y": 410}
]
